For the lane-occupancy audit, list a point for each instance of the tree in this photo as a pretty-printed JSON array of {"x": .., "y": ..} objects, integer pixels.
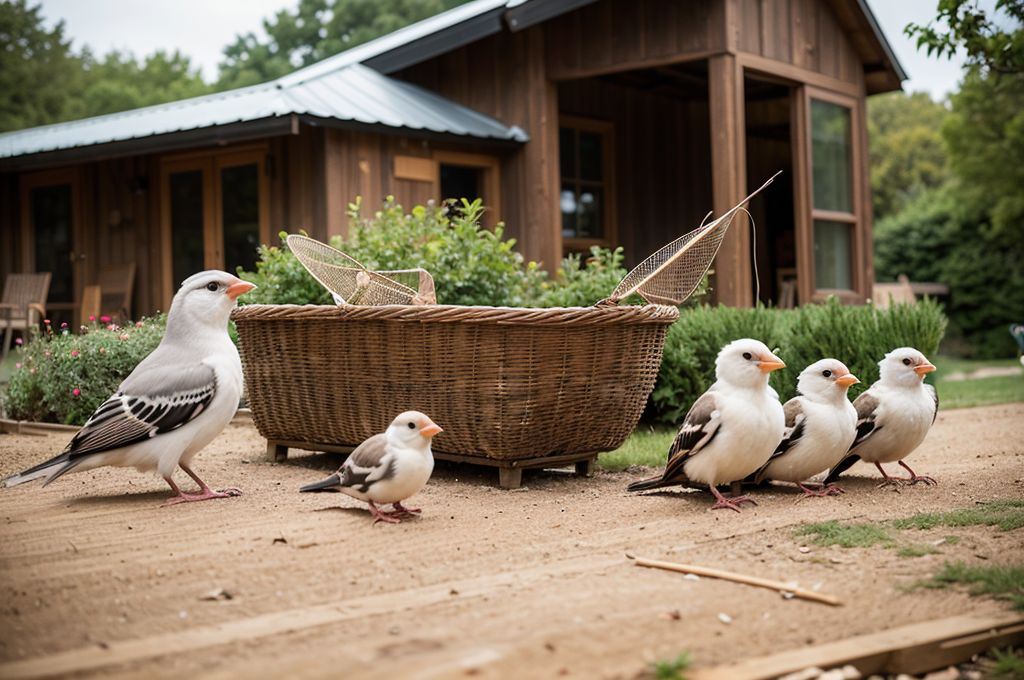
[
  {"x": 908, "y": 155},
  {"x": 37, "y": 67},
  {"x": 315, "y": 30},
  {"x": 996, "y": 44}
]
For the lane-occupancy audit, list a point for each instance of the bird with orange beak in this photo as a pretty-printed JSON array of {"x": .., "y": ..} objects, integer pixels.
[
  {"x": 175, "y": 401},
  {"x": 389, "y": 467},
  {"x": 821, "y": 424},
  {"x": 893, "y": 416},
  {"x": 731, "y": 430}
]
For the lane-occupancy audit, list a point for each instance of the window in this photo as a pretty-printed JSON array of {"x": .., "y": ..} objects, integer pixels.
[
  {"x": 586, "y": 198},
  {"x": 214, "y": 213},
  {"x": 833, "y": 209}
]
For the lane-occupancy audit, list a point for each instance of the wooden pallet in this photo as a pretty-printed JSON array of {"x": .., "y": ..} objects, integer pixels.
[
  {"x": 913, "y": 649},
  {"x": 510, "y": 472}
]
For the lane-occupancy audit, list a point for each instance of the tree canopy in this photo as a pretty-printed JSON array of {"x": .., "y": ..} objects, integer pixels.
[{"x": 994, "y": 42}]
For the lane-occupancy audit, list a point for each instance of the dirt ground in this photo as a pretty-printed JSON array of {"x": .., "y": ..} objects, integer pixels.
[{"x": 96, "y": 579}]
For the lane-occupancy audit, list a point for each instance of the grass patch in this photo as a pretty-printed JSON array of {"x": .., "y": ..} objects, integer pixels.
[
  {"x": 1002, "y": 582},
  {"x": 1005, "y": 664},
  {"x": 1006, "y": 515},
  {"x": 916, "y": 550},
  {"x": 861, "y": 535},
  {"x": 952, "y": 540},
  {"x": 980, "y": 391},
  {"x": 646, "y": 446},
  {"x": 672, "y": 669}
]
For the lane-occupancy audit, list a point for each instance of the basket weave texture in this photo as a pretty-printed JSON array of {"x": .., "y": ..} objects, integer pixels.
[{"x": 504, "y": 383}]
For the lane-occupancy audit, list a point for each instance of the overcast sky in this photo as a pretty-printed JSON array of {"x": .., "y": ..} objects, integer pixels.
[{"x": 202, "y": 28}]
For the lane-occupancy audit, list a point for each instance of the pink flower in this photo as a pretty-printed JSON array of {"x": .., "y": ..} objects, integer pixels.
[
  {"x": 105, "y": 319},
  {"x": 47, "y": 353},
  {"x": 92, "y": 317},
  {"x": 111, "y": 327},
  {"x": 74, "y": 353},
  {"x": 103, "y": 350},
  {"x": 17, "y": 365},
  {"x": 139, "y": 324},
  {"x": 32, "y": 371},
  {"x": 123, "y": 336},
  {"x": 46, "y": 321},
  {"x": 19, "y": 341},
  {"x": 64, "y": 324},
  {"x": 76, "y": 391}
]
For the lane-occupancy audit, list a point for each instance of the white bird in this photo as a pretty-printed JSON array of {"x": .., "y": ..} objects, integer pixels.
[
  {"x": 893, "y": 416},
  {"x": 820, "y": 426},
  {"x": 388, "y": 467},
  {"x": 732, "y": 429},
  {"x": 175, "y": 401}
]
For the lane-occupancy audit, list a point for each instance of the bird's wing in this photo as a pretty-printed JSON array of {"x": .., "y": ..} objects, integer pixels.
[
  {"x": 795, "y": 419},
  {"x": 699, "y": 427},
  {"x": 369, "y": 463},
  {"x": 930, "y": 389},
  {"x": 151, "y": 402},
  {"x": 867, "y": 417}
]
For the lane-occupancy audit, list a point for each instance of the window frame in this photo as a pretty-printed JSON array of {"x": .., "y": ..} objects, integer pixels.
[
  {"x": 606, "y": 129},
  {"x": 210, "y": 163},
  {"x": 80, "y": 265},
  {"x": 808, "y": 214},
  {"x": 491, "y": 181}
]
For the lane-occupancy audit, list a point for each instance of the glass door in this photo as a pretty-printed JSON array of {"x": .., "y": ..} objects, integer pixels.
[
  {"x": 833, "y": 213},
  {"x": 49, "y": 228}
]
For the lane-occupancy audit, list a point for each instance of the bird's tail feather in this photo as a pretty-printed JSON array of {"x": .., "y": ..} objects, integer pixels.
[
  {"x": 333, "y": 480},
  {"x": 652, "y": 483},
  {"x": 841, "y": 467},
  {"x": 53, "y": 468}
]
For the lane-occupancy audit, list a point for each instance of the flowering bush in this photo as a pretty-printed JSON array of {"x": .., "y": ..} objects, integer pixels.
[{"x": 62, "y": 377}]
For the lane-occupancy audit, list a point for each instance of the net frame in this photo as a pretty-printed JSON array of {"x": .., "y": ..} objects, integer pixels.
[
  {"x": 351, "y": 283},
  {"x": 667, "y": 276}
]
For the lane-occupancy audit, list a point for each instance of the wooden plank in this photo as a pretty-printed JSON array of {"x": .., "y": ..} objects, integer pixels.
[
  {"x": 797, "y": 74},
  {"x": 733, "y": 283},
  {"x": 915, "y": 648},
  {"x": 415, "y": 168}
]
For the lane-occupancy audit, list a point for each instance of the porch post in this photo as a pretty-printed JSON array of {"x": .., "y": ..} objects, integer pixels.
[{"x": 732, "y": 282}]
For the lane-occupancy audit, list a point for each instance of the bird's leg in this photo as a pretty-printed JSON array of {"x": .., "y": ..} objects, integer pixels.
[
  {"x": 205, "y": 492},
  {"x": 894, "y": 482},
  {"x": 381, "y": 516},
  {"x": 403, "y": 511},
  {"x": 915, "y": 478},
  {"x": 823, "y": 490},
  {"x": 731, "y": 503}
]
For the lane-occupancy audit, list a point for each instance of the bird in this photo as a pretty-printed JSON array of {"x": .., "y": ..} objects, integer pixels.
[
  {"x": 893, "y": 416},
  {"x": 388, "y": 467},
  {"x": 731, "y": 430},
  {"x": 174, "y": 403},
  {"x": 820, "y": 426}
]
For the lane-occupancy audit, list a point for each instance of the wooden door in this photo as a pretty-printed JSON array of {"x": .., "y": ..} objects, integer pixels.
[{"x": 52, "y": 238}]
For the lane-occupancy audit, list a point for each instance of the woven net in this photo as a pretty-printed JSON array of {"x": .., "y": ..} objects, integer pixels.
[
  {"x": 352, "y": 283},
  {"x": 671, "y": 274}
]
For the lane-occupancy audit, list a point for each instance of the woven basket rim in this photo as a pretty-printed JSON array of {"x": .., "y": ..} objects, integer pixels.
[{"x": 650, "y": 313}]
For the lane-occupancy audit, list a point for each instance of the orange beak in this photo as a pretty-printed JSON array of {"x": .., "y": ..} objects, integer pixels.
[
  {"x": 924, "y": 369},
  {"x": 430, "y": 429},
  {"x": 847, "y": 380},
  {"x": 771, "y": 364},
  {"x": 240, "y": 288}
]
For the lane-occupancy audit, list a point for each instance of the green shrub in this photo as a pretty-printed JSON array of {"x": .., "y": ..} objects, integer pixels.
[
  {"x": 62, "y": 377},
  {"x": 857, "y": 335},
  {"x": 470, "y": 265}
]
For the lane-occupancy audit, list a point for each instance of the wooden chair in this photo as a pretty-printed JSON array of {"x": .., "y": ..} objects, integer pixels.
[
  {"x": 116, "y": 282},
  {"x": 24, "y": 303},
  {"x": 92, "y": 299}
]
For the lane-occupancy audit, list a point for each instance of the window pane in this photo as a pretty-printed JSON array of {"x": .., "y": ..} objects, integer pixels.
[
  {"x": 240, "y": 201},
  {"x": 582, "y": 212},
  {"x": 590, "y": 157},
  {"x": 833, "y": 248},
  {"x": 51, "y": 227},
  {"x": 567, "y": 151},
  {"x": 187, "y": 224},
  {"x": 567, "y": 201},
  {"x": 830, "y": 143},
  {"x": 459, "y": 181}
]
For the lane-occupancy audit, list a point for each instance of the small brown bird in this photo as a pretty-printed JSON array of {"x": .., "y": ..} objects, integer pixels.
[{"x": 389, "y": 467}]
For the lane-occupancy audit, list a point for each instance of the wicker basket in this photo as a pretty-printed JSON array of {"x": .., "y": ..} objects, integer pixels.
[{"x": 507, "y": 384}]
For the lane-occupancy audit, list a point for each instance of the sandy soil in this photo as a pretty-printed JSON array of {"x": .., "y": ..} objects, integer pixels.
[{"x": 97, "y": 579}]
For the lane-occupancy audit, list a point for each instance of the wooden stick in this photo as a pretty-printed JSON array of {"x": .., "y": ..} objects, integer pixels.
[{"x": 738, "y": 578}]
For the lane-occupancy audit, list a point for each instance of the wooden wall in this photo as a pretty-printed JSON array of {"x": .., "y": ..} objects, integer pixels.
[{"x": 662, "y": 160}]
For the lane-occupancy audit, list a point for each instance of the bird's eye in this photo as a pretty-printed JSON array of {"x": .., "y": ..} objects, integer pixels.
[
  {"x": 906, "y": 362},
  {"x": 412, "y": 426},
  {"x": 212, "y": 286},
  {"x": 747, "y": 356},
  {"x": 827, "y": 374}
]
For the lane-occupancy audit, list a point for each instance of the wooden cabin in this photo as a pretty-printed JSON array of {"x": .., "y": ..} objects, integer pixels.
[{"x": 578, "y": 122}]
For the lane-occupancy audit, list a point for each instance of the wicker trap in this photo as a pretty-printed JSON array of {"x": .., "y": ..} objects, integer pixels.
[{"x": 512, "y": 387}]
